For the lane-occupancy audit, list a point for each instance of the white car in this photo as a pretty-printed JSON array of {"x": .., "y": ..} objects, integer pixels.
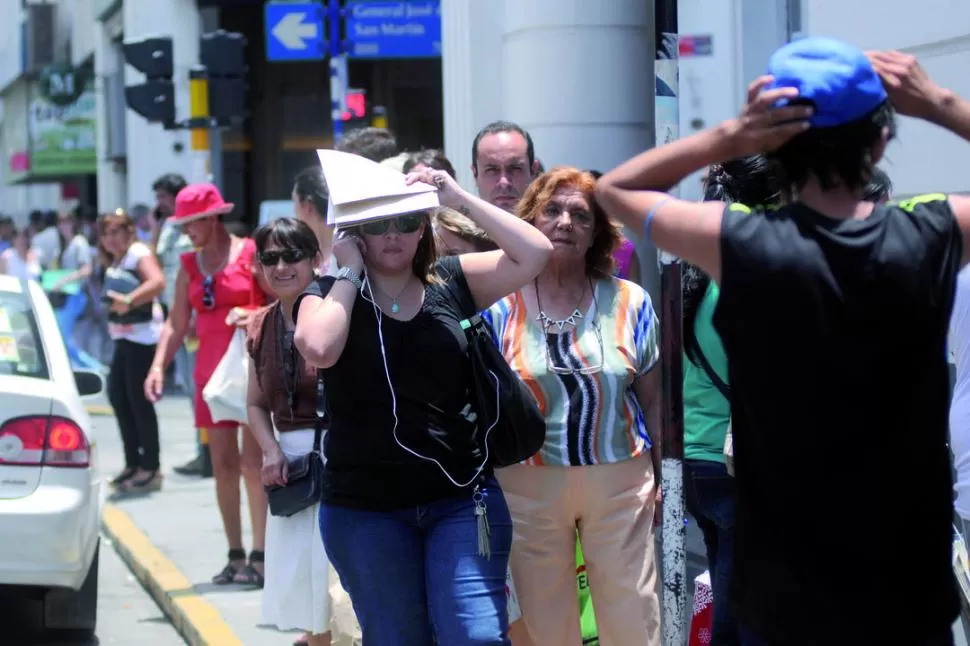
[{"x": 50, "y": 490}]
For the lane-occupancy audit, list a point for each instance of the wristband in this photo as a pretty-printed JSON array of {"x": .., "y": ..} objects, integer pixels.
[{"x": 652, "y": 212}]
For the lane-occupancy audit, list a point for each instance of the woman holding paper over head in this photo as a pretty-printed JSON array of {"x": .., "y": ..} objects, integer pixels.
[{"x": 412, "y": 517}]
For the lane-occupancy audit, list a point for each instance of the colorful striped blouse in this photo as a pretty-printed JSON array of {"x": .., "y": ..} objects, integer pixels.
[{"x": 583, "y": 378}]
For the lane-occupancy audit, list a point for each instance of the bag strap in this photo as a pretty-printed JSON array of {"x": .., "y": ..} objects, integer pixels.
[
  {"x": 321, "y": 412},
  {"x": 705, "y": 365}
]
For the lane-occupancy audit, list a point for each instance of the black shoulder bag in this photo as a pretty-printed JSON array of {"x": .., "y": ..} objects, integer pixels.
[
  {"x": 512, "y": 426},
  {"x": 510, "y": 420},
  {"x": 304, "y": 486}
]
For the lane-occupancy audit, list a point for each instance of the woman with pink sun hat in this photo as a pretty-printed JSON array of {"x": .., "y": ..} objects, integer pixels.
[{"x": 217, "y": 284}]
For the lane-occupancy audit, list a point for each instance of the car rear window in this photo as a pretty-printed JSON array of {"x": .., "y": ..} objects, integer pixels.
[{"x": 21, "y": 350}]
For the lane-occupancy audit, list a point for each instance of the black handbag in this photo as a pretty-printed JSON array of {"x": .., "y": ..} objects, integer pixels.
[
  {"x": 304, "y": 486},
  {"x": 124, "y": 281},
  {"x": 513, "y": 426}
]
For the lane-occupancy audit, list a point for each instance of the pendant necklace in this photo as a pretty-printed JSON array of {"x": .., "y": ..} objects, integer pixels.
[
  {"x": 547, "y": 322},
  {"x": 395, "y": 308}
]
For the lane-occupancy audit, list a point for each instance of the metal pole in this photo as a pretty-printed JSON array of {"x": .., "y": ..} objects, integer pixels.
[
  {"x": 338, "y": 66},
  {"x": 199, "y": 124},
  {"x": 674, "y": 530}
]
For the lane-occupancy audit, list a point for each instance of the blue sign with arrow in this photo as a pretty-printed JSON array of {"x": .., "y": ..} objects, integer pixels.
[
  {"x": 383, "y": 29},
  {"x": 295, "y": 31}
]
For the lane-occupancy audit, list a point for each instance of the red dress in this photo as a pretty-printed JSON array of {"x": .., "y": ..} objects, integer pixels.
[{"x": 233, "y": 286}]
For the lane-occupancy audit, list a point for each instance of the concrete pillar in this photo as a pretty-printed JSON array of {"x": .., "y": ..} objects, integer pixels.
[
  {"x": 153, "y": 151},
  {"x": 577, "y": 77},
  {"x": 472, "y": 75},
  {"x": 112, "y": 180}
]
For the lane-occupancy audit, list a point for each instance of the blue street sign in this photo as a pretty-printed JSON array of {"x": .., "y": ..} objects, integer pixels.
[
  {"x": 382, "y": 29},
  {"x": 294, "y": 31}
]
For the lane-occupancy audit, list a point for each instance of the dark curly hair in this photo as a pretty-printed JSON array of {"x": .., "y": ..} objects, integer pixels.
[
  {"x": 606, "y": 233},
  {"x": 753, "y": 180},
  {"x": 836, "y": 156}
]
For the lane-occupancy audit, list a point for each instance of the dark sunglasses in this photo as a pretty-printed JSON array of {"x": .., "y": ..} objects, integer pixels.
[
  {"x": 208, "y": 293},
  {"x": 407, "y": 223},
  {"x": 289, "y": 256}
]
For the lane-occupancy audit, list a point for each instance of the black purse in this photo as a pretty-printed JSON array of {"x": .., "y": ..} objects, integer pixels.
[
  {"x": 304, "y": 486},
  {"x": 124, "y": 281},
  {"x": 513, "y": 426}
]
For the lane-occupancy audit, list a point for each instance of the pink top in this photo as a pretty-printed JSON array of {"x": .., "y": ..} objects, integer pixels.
[{"x": 623, "y": 256}]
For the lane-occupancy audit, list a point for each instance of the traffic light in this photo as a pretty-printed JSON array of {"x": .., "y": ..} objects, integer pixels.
[
  {"x": 155, "y": 98},
  {"x": 223, "y": 54}
]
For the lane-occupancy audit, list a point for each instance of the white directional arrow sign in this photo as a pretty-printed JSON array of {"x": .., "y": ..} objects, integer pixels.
[{"x": 294, "y": 33}]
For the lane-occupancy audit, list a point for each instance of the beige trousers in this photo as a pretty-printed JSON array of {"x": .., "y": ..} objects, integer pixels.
[{"x": 612, "y": 505}]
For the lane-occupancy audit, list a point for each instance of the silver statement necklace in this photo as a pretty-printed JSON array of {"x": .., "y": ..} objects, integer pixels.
[{"x": 547, "y": 322}]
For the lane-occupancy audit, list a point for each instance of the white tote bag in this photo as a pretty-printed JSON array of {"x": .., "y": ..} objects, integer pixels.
[{"x": 225, "y": 393}]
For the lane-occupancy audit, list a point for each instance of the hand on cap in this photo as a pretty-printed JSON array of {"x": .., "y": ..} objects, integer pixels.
[
  {"x": 762, "y": 127},
  {"x": 910, "y": 89}
]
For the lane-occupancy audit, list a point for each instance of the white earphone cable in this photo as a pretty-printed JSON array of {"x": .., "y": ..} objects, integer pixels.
[{"x": 367, "y": 295}]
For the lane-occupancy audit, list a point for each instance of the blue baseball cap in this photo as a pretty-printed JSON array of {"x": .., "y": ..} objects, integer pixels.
[{"x": 836, "y": 77}]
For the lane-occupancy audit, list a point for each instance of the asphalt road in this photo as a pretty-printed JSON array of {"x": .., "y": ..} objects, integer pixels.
[{"x": 126, "y": 614}]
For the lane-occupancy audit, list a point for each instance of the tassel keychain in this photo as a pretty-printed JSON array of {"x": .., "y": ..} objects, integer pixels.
[{"x": 481, "y": 520}]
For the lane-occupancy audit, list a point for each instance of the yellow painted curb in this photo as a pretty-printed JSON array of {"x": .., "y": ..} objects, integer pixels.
[
  {"x": 197, "y": 620},
  {"x": 99, "y": 410}
]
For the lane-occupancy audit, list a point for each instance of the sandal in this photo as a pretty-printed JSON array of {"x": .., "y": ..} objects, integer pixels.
[
  {"x": 248, "y": 575},
  {"x": 229, "y": 573},
  {"x": 119, "y": 479},
  {"x": 302, "y": 640},
  {"x": 151, "y": 482}
]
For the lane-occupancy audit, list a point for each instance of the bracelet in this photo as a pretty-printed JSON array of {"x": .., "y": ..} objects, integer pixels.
[
  {"x": 650, "y": 214},
  {"x": 346, "y": 273},
  {"x": 156, "y": 369}
]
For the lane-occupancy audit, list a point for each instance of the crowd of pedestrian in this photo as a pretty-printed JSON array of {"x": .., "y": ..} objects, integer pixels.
[{"x": 816, "y": 314}]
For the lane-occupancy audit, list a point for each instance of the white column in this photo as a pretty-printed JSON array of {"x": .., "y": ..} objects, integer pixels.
[
  {"x": 472, "y": 80},
  {"x": 153, "y": 151},
  {"x": 577, "y": 78},
  {"x": 112, "y": 181}
]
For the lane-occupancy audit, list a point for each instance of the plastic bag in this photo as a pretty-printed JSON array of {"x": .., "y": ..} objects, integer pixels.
[{"x": 225, "y": 393}]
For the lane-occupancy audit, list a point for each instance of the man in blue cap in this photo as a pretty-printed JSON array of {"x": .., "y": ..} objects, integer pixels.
[{"x": 833, "y": 313}]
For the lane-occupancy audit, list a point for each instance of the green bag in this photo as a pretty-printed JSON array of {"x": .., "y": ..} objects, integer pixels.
[{"x": 587, "y": 619}]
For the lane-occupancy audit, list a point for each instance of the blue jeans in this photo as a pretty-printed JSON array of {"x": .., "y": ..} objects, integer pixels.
[
  {"x": 67, "y": 318},
  {"x": 415, "y": 576},
  {"x": 710, "y": 493}
]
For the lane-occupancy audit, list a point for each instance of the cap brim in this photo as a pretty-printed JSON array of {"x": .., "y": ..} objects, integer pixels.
[{"x": 222, "y": 210}]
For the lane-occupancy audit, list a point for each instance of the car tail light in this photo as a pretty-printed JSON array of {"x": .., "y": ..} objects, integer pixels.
[{"x": 43, "y": 440}]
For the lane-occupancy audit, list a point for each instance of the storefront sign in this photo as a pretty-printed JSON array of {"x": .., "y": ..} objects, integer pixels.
[{"x": 63, "y": 137}]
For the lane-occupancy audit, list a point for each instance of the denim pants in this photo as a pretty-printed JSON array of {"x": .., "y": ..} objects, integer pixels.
[
  {"x": 415, "y": 576},
  {"x": 710, "y": 494},
  {"x": 67, "y": 318}
]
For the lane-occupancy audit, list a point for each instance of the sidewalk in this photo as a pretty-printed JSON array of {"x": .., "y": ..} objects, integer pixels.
[{"x": 173, "y": 539}]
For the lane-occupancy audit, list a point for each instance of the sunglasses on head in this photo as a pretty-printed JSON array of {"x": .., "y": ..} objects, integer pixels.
[
  {"x": 407, "y": 223},
  {"x": 289, "y": 256}
]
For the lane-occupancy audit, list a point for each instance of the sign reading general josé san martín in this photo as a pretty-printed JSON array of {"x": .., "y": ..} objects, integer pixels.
[{"x": 381, "y": 29}]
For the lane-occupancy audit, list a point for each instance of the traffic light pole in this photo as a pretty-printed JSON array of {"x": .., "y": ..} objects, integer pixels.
[
  {"x": 199, "y": 124},
  {"x": 673, "y": 529},
  {"x": 338, "y": 70}
]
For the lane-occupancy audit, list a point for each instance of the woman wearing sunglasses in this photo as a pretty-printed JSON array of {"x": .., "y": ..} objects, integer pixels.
[
  {"x": 282, "y": 416},
  {"x": 413, "y": 521},
  {"x": 218, "y": 284},
  {"x": 585, "y": 343}
]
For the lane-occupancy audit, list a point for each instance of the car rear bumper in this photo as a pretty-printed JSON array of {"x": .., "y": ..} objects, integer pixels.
[{"x": 49, "y": 537}]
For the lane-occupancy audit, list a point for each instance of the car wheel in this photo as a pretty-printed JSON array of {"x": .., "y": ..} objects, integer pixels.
[{"x": 75, "y": 611}]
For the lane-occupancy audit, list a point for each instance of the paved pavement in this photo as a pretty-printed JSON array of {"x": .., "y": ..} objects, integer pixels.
[
  {"x": 173, "y": 539},
  {"x": 126, "y": 613},
  {"x": 174, "y": 543}
]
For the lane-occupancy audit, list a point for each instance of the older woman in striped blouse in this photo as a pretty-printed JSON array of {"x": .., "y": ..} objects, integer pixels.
[{"x": 586, "y": 344}]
